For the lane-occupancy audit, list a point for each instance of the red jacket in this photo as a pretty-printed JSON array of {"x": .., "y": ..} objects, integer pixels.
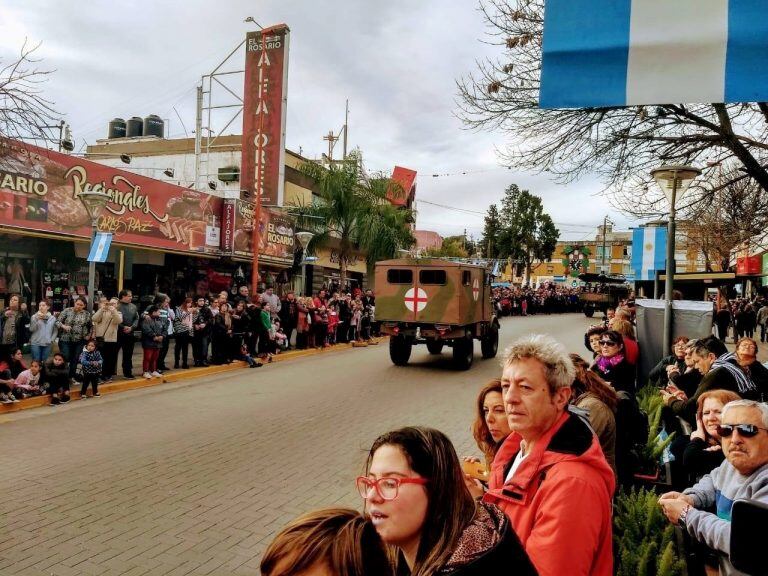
[{"x": 559, "y": 500}]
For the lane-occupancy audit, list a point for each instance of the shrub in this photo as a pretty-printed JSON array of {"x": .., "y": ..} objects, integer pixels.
[{"x": 645, "y": 543}]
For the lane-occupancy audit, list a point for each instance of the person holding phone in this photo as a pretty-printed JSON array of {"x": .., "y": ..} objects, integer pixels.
[
  {"x": 106, "y": 324},
  {"x": 42, "y": 327}
]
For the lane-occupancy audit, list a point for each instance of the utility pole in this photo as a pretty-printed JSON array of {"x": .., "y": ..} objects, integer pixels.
[
  {"x": 346, "y": 128},
  {"x": 198, "y": 135},
  {"x": 602, "y": 260}
]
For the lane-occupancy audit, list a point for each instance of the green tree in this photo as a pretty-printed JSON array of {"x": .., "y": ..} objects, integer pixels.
[
  {"x": 491, "y": 232},
  {"x": 527, "y": 234},
  {"x": 352, "y": 213}
]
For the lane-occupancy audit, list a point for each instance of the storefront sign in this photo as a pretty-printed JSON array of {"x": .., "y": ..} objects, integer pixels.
[
  {"x": 276, "y": 231},
  {"x": 748, "y": 265},
  {"x": 264, "y": 113},
  {"x": 40, "y": 190},
  {"x": 228, "y": 225},
  {"x": 765, "y": 265}
]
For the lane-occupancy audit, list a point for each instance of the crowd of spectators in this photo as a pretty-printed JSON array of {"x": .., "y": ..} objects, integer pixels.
[
  {"x": 548, "y": 298},
  {"x": 78, "y": 345},
  {"x": 556, "y": 435}
]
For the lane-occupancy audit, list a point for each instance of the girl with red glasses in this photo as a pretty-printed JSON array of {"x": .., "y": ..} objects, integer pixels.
[{"x": 415, "y": 495}]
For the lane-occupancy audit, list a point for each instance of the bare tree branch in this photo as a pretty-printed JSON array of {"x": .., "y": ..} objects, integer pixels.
[{"x": 619, "y": 144}]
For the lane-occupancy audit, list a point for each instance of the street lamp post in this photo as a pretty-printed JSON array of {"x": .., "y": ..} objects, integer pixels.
[
  {"x": 94, "y": 203},
  {"x": 674, "y": 180},
  {"x": 304, "y": 238}
]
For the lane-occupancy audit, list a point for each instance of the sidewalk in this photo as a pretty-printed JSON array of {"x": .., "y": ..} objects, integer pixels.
[{"x": 120, "y": 384}]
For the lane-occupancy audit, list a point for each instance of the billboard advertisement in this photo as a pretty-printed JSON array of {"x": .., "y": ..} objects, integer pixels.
[
  {"x": 40, "y": 189},
  {"x": 265, "y": 99},
  {"x": 276, "y": 231}
]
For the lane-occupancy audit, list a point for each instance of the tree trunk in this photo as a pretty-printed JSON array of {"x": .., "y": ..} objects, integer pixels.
[{"x": 342, "y": 271}]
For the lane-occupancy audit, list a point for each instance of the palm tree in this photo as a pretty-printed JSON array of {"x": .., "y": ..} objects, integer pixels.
[{"x": 353, "y": 211}]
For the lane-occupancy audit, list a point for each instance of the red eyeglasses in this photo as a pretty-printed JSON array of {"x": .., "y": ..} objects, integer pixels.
[{"x": 386, "y": 488}]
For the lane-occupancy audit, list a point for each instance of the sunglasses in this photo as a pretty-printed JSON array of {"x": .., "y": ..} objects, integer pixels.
[
  {"x": 608, "y": 343},
  {"x": 745, "y": 430}
]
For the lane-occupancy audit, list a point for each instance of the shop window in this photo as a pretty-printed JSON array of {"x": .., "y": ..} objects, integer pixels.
[
  {"x": 432, "y": 277},
  {"x": 399, "y": 276},
  {"x": 466, "y": 277}
]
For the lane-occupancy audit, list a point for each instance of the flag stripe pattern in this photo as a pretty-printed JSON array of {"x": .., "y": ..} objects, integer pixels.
[{"x": 599, "y": 53}]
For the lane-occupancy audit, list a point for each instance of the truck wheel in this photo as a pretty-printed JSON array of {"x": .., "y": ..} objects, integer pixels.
[
  {"x": 589, "y": 311},
  {"x": 399, "y": 350},
  {"x": 463, "y": 353},
  {"x": 489, "y": 345},
  {"x": 434, "y": 346}
]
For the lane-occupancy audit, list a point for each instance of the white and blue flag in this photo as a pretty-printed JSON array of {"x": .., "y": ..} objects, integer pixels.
[
  {"x": 649, "y": 251},
  {"x": 100, "y": 247},
  {"x": 599, "y": 53}
]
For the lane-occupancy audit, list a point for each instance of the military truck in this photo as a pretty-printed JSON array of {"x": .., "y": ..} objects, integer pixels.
[
  {"x": 602, "y": 291},
  {"x": 438, "y": 303}
]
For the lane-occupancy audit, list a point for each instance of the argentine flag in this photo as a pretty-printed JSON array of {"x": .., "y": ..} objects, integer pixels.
[
  {"x": 625, "y": 52},
  {"x": 649, "y": 251}
]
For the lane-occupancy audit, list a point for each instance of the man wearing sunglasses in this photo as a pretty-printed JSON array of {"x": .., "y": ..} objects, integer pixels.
[{"x": 704, "y": 510}]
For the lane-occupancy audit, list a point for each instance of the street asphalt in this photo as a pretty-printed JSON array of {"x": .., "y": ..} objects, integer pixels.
[{"x": 196, "y": 477}]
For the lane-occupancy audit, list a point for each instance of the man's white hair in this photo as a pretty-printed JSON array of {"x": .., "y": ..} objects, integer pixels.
[
  {"x": 558, "y": 367},
  {"x": 761, "y": 406}
]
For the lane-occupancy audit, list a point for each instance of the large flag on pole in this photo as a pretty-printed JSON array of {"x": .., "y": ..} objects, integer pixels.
[
  {"x": 649, "y": 251},
  {"x": 625, "y": 52}
]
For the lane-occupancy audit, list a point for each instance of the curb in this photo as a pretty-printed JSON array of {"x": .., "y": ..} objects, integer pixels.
[{"x": 175, "y": 376}]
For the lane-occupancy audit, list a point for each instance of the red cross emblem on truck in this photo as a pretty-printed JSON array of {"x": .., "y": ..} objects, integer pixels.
[{"x": 415, "y": 299}]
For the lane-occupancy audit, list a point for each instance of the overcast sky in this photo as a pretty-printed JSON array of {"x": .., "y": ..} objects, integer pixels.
[{"x": 396, "y": 62}]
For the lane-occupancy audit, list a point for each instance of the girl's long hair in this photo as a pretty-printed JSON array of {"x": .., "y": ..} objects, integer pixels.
[
  {"x": 340, "y": 538},
  {"x": 588, "y": 381},
  {"x": 450, "y": 507},
  {"x": 480, "y": 430}
]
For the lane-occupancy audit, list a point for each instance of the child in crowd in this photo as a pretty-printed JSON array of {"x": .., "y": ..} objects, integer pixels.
[
  {"x": 56, "y": 378},
  {"x": 281, "y": 340},
  {"x": 92, "y": 363},
  {"x": 16, "y": 365},
  {"x": 28, "y": 382},
  {"x": 357, "y": 315},
  {"x": 152, "y": 334},
  {"x": 365, "y": 322},
  {"x": 333, "y": 322},
  {"x": 245, "y": 355},
  {"x": 6, "y": 384}
]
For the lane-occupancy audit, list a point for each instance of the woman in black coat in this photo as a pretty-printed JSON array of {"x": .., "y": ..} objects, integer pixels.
[{"x": 612, "y": 365}]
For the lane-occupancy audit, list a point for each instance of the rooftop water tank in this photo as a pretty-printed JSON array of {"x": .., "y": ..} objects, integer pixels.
[
  {"x": 116, "y": 128},
  {"x": 134, "y": 127},
  {"x": 154, "y": 126}
]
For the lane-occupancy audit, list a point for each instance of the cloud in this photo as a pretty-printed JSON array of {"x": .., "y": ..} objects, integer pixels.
[{"x": 396, "y": 62}]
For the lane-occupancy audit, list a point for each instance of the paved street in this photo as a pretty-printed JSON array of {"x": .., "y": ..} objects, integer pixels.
[{"x": 195, "y": 478}]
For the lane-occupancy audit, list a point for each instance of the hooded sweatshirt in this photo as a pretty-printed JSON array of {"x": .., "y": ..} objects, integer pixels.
[
  {"x": 717, "y": 491},
  {"x": 559, "y": 499}
]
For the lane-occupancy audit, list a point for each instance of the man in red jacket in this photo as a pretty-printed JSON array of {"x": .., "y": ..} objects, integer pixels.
[{"x": 550, "y": 476}]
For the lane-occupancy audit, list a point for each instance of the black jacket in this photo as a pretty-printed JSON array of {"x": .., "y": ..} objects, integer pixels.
[
  {"x": 22, "y": 320},
  {"x": 621, "y": 376}
]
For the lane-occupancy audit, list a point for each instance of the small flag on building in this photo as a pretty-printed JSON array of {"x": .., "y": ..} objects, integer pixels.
[
  {"x": 100, "y": 247},
  {"x": 600, "y": 53},
  {"x": 649, "y": 251}
]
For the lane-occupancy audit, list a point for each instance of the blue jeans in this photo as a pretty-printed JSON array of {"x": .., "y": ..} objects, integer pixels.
[{"x": 40, "y": 353}]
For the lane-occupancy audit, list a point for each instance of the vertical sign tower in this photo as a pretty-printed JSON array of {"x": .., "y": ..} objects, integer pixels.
[{"x": 264, "y": 115}]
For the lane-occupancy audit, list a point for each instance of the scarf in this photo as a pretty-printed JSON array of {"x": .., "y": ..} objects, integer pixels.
[
  {"x": 605, "y": 364},
  {"x": 730, "y": 363}
]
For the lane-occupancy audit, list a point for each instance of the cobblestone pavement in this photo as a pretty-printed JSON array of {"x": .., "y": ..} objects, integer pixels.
[{"x": 196, "y": 477}]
